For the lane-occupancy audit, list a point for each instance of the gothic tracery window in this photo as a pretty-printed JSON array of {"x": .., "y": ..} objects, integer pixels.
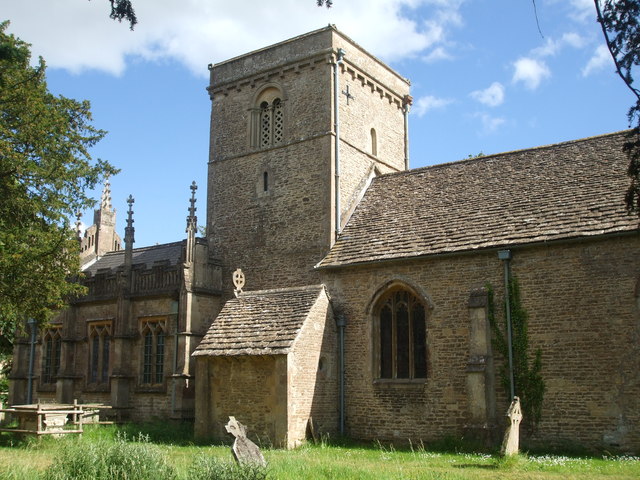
[
  {"x": 51, "y": 352},
  {"x": 99, "y": 351},
  {"x": 401, "y": 336},
  {"x": 153, "y": 351}
]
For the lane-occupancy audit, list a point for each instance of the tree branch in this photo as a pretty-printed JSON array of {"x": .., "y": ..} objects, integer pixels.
[{"x": 624, "y": 78}]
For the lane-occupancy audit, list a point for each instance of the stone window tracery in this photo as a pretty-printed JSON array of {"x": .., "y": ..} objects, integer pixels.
[
  {"x": 99, "y": 347},
  {"x": 267, "y": 119},
  {"x": 51, "y": 353},
  {"x": 153, "y": 351},
  {"x": 401, "y": 336}
]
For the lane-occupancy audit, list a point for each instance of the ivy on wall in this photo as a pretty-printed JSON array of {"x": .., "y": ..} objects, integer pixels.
[{"x": 529, "y": 384}]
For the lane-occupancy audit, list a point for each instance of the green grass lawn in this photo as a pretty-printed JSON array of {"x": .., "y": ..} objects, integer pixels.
[{"x": 33, "y": 459}]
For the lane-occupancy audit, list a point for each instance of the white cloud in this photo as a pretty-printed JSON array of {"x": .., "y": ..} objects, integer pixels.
[
  {"x": 78, "y": 35},
  {"x": 582, "y": 10},
  {"x": 574, "y": 40},
  {"x": 601, "y": 59},
  {"x": 489, "y": 123},
  {"x": 530, "y": 71},
  {"x": 553, "y": 47},
  {"x": 438, "y": 53},
  {"x": 491, "y": 96},
  {"x": 427, "y": 103}
]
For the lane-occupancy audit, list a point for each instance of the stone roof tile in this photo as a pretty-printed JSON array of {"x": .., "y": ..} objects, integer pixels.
[
  {"x": 263, "y": 322},
  {"x": 568, "y": 190},
  {"x": 147, "y": 256}
]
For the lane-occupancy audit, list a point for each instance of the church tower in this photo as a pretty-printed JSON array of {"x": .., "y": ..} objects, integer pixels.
[
  {"x": 101, "y": 237},
  {"x": 298, "y": 130}
]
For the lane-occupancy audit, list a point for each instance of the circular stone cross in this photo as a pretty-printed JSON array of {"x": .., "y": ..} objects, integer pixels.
[{"x": 238, "y": 279}]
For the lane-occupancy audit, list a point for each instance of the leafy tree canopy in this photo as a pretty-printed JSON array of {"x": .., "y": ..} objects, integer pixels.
[
  {"x": 620, "y": 23},
  {"x": 45, "y": 172}
]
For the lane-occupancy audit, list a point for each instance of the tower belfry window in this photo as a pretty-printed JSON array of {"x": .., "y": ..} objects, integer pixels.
[{"x": 267, "y": 119}]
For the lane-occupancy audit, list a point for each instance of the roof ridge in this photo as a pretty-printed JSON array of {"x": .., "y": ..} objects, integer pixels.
[
  {"x": 465, "y": 161},
  {"x": 148, "y": 247},
  {"x": 282, "y": 290}
]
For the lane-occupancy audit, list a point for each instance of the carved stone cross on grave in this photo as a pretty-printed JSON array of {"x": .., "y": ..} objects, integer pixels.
[
  {"x": 244, "y": 450},
  {"x": 347, "y": 94},
  {"x": 511, "y": 442}
]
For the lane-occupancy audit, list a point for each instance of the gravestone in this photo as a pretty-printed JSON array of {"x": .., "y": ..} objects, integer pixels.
[
  {"x": 244, "y": 450},
  {"x": 511, "y": 442}
]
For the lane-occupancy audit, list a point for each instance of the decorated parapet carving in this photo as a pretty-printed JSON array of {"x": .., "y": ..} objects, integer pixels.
[{"x": 160, "y": 278}]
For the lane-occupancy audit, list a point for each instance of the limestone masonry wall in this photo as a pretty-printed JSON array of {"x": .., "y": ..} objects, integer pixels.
[
  {"x": 583, "y": 307},
  {"x": 252, "y": 389},
  {"x": 313, "y": 375}
]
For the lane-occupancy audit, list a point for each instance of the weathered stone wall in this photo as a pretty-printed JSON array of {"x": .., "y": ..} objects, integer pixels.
[
  {"x": 313, "y": 376},
  {"x": 252, "y": 389},
  {"x": 582, "y": 301},
  {"x": 277, "y": 236},
  {"x": 145, "y": 402}
]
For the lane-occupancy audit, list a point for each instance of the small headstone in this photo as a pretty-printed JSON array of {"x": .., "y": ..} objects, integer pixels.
[
  {"x": 244, "y": 450},
  {"x": 511, "y": 442}
]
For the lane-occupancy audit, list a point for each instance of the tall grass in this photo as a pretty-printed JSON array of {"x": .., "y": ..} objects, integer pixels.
[
  {"x": 211, "y": 468},
  {"x": 121, "y": 459},
  {"x": 117, "y": 453}
]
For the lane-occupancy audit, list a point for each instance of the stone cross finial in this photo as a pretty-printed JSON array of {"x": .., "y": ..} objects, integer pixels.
[
  {"x": 238, "y": 282},
  {"x": 129, "y": 230},
  {"x": 192, "y": 220}
]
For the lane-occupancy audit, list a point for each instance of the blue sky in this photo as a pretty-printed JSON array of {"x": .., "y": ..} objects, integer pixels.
[{"x": 483, "y": 79}]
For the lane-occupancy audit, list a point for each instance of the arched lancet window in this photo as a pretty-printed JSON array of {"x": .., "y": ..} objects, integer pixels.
[
  {"x": 99, "y": 348},
  {"x": 51, "y": 351},
  {"x": 267, "y": 119},
  {"x": 401, "y": 336},
  {"x": 374, "y": 142},
  {"x": 153, "y": 351}
]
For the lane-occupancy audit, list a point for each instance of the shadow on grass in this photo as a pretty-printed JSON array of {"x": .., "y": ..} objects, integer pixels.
[{"x": 483, "y": 466}]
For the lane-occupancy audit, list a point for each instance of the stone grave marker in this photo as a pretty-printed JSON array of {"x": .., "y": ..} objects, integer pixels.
[
  {"x": 511, "y": 442},
  {"x": 244, "y": 450}
]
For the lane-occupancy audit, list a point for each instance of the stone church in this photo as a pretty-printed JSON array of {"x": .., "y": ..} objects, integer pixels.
[{"x": 339, "y": 292}]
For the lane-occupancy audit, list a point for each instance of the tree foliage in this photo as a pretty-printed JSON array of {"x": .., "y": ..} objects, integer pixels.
[
  {"x": 123, "y": 10},
  {"x": 45, "y": 171},
  {"x": 620, "y": 23},
  {"x": 529, "y": 384}
]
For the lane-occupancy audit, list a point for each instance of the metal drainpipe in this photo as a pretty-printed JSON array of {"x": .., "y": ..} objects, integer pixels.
[
  {"x": 505, "y": 255},
  {"x": 32, "y": 353},
  {"x": 336, "y": 114},
  {"x": 405, "y": 111},
  {"x": 174, "y": 312},
  {"x": 340, "y": 322}
]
